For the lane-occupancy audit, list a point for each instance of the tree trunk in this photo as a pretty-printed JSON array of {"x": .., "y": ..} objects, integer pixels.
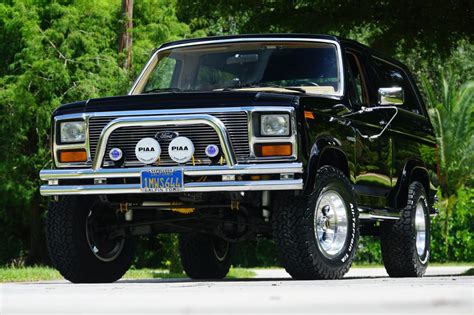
[{"x": 125, "y": 43}]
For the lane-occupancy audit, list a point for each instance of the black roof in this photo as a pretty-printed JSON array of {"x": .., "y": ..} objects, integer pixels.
[{"x": 249, "y": 36}]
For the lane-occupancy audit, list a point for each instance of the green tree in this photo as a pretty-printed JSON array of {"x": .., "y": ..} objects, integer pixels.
[
  {"x": 437, "y": 23},
  {"x": 55, "y": 52},
  {"x": 452, "y": 116}
]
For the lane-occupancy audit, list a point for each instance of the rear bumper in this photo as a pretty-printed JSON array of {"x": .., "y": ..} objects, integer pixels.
[{"x": 286, "y": 171}]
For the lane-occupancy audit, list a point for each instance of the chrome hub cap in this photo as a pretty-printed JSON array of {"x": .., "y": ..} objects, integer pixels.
[
  {"x": 330, "y": 223},
  {"x": 420, "y": 228}
]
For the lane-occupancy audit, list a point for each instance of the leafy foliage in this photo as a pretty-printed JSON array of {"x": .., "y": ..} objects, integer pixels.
[
  {"x": 452, "y": 116},
  {"x": 453, "y": 120},
  {"x": 459, "y": 242},
  {"x": 437, "y": 24},
  {"x": 58, "y": 52}
]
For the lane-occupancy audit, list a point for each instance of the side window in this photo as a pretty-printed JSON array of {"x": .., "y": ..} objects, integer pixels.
[
  {"x": 390, "y": 76},
  {"x": 162, "y": 76},
  {"x": 357, "y": 87}
]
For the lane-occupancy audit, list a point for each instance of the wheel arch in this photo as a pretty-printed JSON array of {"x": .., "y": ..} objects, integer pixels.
[
  {"x": 413, "y": 170},
  {"x": 325, "y": 151}
]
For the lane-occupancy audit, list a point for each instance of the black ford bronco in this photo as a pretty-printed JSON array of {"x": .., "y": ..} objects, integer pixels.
[{"x": 310, "y": 140}]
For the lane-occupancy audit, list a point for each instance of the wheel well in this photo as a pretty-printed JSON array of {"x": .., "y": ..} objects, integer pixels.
[
  {"x": 335, "y": 158},
  {"x": 421, "y": 175},
  {"x": 329, "y": 156},
  {"x": 417, "y": 174}
]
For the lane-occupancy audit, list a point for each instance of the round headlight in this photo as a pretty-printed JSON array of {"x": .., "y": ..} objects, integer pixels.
[
  {"x": 72, "y": 131},
  {"x": 275, "y": 125}
]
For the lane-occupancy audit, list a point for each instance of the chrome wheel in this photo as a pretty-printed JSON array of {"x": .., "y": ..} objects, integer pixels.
[
  {"x": 104, "y": 248},
  {"x": 330, "y": 223},
  {"x": 420, "y": 227}
]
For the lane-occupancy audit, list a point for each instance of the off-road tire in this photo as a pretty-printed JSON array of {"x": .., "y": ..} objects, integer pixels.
[
  {"x": 199, "y": 258},
  {"x": 68, "y": 247},
  {"x": 294, "y": 231},
  {"x": 398, "y": 238}
]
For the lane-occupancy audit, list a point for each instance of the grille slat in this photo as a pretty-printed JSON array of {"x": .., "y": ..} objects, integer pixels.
[{"x": 201, "y": 135}]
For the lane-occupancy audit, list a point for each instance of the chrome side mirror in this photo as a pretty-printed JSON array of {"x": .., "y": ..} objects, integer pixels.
[{"x": 391, "y": 96}]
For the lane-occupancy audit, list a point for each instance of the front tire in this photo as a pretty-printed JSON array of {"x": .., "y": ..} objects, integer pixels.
[
  {"x": 79, "y": 244},
  {"x": 204, "y": 256},
  {"x": 405, "y": 243},
  {"x": 317, "y": 235}
]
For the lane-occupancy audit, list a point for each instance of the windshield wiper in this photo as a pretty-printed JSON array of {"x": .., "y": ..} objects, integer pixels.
[{"x": 161, "y": 90}]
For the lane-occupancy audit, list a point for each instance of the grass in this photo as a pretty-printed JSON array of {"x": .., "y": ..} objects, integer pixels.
[
  {"x": 41, "y": 273},
  {"x": 28, "y": 274},
  {"x": 234, "y": 273}
]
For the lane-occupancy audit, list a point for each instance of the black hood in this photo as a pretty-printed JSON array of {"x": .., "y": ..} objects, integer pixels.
[{"x": 176, "y": 100}]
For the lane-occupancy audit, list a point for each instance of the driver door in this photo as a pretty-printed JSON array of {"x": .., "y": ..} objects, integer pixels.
[{"x": 374, "y": 159}]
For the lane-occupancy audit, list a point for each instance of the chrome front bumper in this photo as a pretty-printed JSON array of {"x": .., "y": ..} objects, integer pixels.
[{"x": 286, "y": 171}]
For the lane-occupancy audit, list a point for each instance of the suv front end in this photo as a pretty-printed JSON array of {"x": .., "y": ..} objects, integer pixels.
[
  {"x": 207, "y": 144},
  {"x": 245, "y": 160}
]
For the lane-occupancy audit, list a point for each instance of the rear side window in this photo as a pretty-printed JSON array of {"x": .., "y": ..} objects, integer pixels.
[{"x": 390, "y": 76}]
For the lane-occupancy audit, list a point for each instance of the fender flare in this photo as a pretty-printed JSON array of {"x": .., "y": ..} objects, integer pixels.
[
  {"x": 413, "y": 170},
  {"x": 324, "y": 146}
]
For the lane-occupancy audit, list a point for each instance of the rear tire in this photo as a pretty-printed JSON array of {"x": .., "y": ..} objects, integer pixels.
[
  {"x": 405, "y": 243},
  {"x": 317, "y": 235},
  {"x": 77, "y": 245},
  {"x": 204, "y": 256}
]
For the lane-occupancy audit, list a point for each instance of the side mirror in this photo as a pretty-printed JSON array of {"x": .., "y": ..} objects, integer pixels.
[{"x": 391, "y": 96}]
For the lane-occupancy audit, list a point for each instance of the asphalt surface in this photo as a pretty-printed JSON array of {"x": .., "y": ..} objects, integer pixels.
[{"x": 362, "y": 291}]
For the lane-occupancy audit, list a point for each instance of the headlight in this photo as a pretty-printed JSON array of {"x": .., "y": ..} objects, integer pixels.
[
  {"x": 275, "y": 125},
  {"x": 72, "y": 131}
]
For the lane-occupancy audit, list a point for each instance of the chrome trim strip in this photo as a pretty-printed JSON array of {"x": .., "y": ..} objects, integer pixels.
[
  {"x": 292, "y": 184},
  {"x": 181, "y": 120},
  {"x": 253, "y": 139},
  {"x": 85, "y": 145},
  {"x": 206, "y": 170},
  {"x": 207, "y": 110},
  {"x": 371, "y": 216},
  {"x": 154, "y": 58}
]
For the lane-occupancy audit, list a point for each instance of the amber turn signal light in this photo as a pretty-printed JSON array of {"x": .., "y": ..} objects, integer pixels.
[
  {"x": 308, "y": 115},
  {"x": 264, "y": 150},
  {"x": 68, "y": 156}
]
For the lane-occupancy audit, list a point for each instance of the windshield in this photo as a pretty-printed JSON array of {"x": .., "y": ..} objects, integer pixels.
[{"x": 294, "y": 67}]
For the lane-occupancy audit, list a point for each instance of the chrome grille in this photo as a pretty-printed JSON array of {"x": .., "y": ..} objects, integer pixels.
[{"x": 201, "y": 135}]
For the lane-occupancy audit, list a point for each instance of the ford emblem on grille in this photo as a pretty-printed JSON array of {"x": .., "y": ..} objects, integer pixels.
[{"x": 166, "y": 135}]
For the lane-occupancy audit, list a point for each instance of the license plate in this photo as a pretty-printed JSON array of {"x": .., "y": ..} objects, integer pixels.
[{"x": 164, "y": 180}]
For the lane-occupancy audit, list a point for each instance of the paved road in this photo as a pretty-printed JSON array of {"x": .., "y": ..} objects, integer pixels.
[{"x": 363, "y": 291}]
